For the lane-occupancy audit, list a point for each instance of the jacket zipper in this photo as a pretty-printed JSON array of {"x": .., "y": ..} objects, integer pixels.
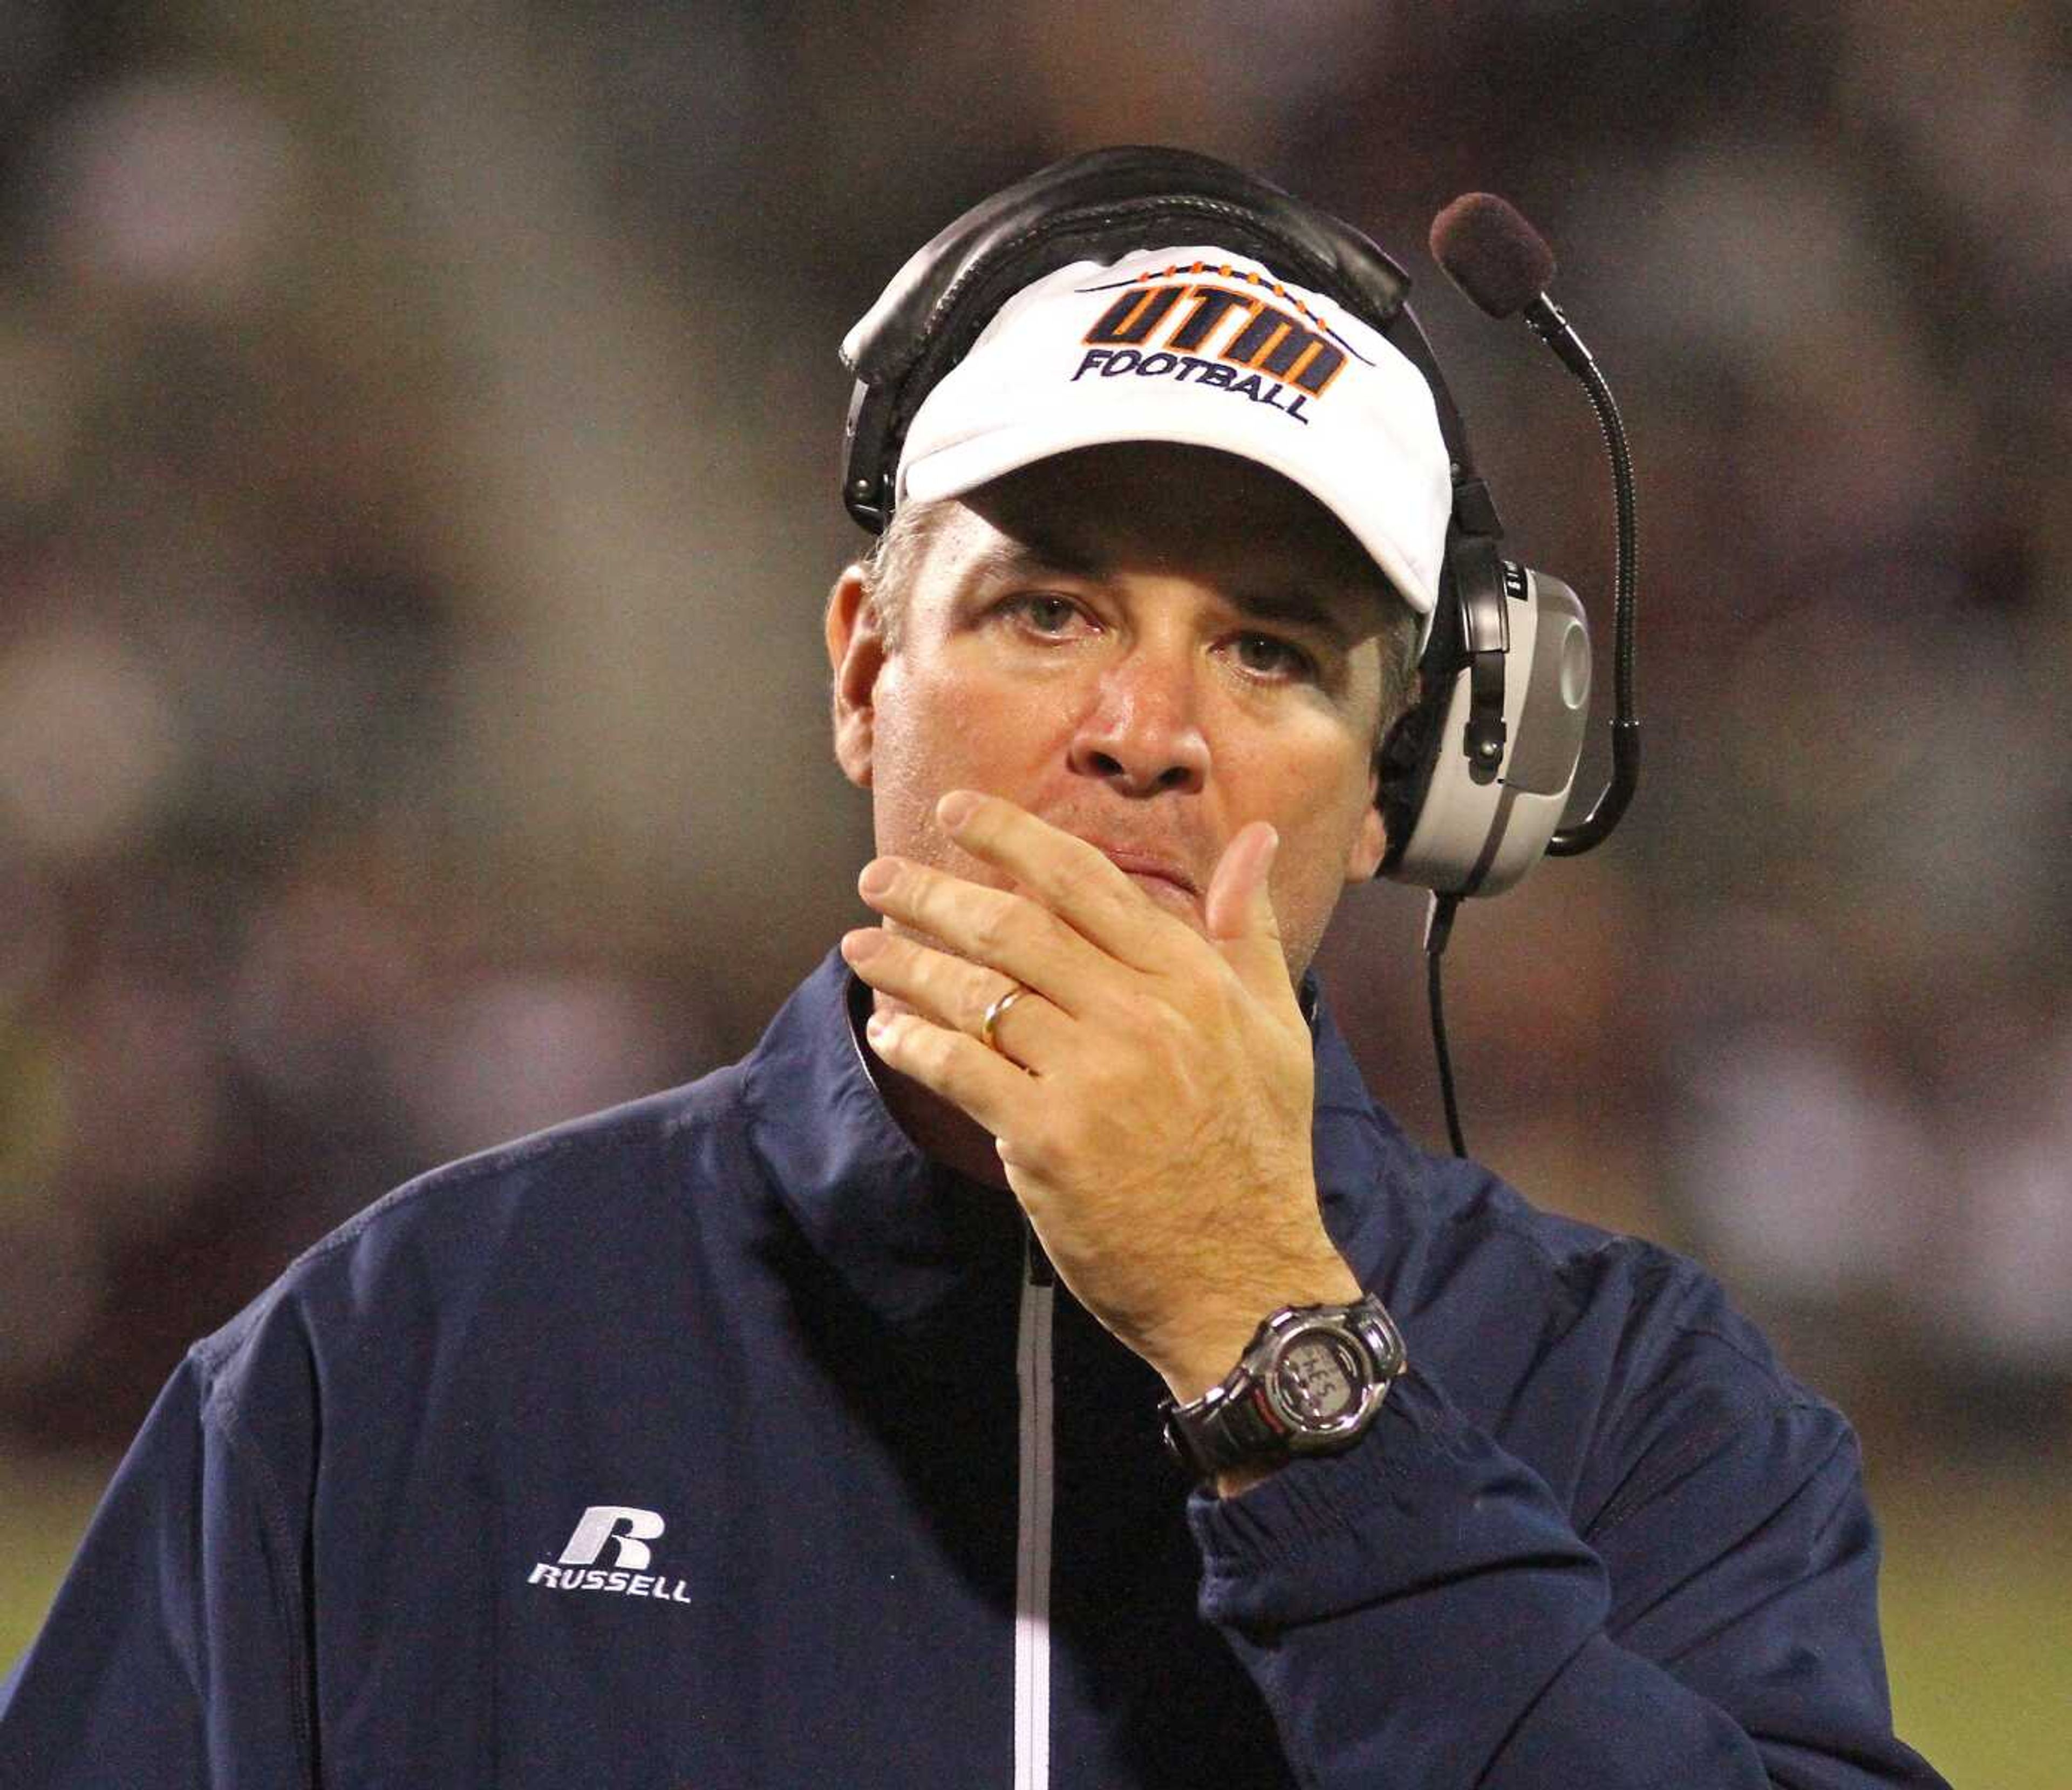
[{"x": 1032, "y": 1563}]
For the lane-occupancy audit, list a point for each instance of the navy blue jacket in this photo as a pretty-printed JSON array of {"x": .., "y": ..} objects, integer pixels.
[{"x": 721, "y": 1440}]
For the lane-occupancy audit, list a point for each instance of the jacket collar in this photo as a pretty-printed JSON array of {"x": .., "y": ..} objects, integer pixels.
[{"x": 906, "y": 1232}]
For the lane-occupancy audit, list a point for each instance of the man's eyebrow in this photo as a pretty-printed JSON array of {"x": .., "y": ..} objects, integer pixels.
[
  {"x": 1017, "y": 559},
  {"x": 1300, "y": 609},
  {"x": 1343, "y": 624}
]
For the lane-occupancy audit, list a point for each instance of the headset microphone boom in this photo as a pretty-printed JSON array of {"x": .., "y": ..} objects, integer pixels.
[{"x": 1504, "y": 266}]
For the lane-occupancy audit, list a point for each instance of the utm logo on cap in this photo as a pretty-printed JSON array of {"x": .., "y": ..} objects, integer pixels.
[{"x": 1255, "y": 334}]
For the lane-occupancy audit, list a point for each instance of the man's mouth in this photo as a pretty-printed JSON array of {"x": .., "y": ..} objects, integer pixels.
[{"x": 1160, "y": 878}]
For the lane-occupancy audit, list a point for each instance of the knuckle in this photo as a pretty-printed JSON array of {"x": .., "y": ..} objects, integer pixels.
[
  {"x": 1064, "y": 1135},
  {"x": 991, "y": 927},
  {"x": 1036, "y": 1144}
]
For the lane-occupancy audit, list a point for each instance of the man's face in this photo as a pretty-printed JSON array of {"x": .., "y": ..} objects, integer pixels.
[{"x": 1148, "y": 647}]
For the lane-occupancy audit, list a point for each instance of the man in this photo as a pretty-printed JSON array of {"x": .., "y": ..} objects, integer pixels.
[{"x": 805, "y": 1424}]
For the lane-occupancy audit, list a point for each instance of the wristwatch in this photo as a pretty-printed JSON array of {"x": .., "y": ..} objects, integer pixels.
[{"x": 1308, "y": 1383}]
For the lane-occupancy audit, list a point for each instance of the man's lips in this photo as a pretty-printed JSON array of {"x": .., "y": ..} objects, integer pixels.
[{"x": 1147, "y": 864}]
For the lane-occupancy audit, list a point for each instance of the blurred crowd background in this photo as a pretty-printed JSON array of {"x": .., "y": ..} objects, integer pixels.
[{"x": 417, "y": 494}]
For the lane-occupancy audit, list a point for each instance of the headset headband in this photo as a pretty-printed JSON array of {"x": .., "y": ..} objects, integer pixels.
[{"x": 1099, "y": 205}]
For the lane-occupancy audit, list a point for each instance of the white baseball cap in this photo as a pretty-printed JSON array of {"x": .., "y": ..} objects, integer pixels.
[{"x": 1208, "y": 348}]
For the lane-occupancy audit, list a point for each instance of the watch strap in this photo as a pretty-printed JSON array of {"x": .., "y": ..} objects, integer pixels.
[{"x": 1225, "y": 1428}]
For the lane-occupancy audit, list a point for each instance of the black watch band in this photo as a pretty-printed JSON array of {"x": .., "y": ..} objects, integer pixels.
[{"x": 1308, "y": 1383}]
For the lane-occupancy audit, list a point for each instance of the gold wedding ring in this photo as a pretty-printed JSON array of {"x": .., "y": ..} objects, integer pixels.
[{"x": 992, "y": 1015}]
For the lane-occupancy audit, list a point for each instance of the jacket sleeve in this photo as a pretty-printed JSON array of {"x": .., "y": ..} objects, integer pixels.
[
  {"x": 173, "y": 1655},
  {"x": 1420, "y": 1610}
]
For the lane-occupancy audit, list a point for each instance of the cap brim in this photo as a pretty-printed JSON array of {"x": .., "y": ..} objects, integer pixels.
[{"x": 962, "y": 466}]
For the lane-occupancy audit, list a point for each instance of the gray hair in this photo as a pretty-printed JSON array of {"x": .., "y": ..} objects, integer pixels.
[{"x": 889, "y": 569}]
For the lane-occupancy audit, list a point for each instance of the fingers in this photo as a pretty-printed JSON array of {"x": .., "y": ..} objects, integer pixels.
[
  {"x": 1074, "y": 880},
  {"x": 1239, "y": 903},
  {"x": 1239, "y": 913},
  {"x": 995, "y": 930},
  {"x": 931, "y": 1044},
  {"x": 957, "y": 995},
  {"x": 978, "y": 1081}
]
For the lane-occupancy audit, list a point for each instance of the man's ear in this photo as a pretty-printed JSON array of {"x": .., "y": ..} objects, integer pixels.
[
  {"x": 1370, "y": 841},
  {"x": 1369, "y": 844},
  {"x": 855, "y": 655}
]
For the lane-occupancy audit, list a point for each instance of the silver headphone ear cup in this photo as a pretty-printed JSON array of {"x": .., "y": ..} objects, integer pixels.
[{"x": 1480, "y": 836}]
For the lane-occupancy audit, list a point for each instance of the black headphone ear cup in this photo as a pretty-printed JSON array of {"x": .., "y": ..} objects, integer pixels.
[{"x": 1402, "y": 765}]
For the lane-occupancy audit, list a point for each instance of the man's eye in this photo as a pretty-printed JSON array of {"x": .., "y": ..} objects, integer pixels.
[
  {"x": 1271, "y": 656},
  {"x": 1046, "y": 615}
]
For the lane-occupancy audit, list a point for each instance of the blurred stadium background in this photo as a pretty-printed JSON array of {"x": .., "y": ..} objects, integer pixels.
[{"x": 418, "y": 438}]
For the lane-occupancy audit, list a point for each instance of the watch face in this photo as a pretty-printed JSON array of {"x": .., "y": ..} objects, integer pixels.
[{"x": 1319, "y": 1378}]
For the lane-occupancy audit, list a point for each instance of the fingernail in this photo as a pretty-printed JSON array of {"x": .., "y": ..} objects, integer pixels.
[
  {"x": 863, "y": 945},
  {"x": 955, "y": 808},
  {"x": 877, "y": 1027},
  {"x": 877, "y": 878}
]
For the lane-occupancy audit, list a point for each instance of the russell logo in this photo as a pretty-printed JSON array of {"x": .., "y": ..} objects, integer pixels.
[{"x": 628, "y": 1531}]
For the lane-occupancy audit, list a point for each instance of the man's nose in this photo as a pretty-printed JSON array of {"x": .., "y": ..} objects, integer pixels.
[{"x": 1141, "y": 732}]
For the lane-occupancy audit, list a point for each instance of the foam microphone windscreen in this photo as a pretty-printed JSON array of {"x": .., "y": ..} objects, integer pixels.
[{"x": 1491, "y": 254}]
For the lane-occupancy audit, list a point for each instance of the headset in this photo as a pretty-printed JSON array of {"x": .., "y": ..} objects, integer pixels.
[{"x": 1474, "y": 775}]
